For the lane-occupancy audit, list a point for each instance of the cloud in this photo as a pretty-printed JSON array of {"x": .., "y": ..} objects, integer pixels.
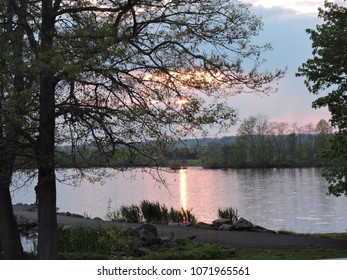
[
  {"x": 284, "y": 29},
  {"x": 297, "y": 6}
]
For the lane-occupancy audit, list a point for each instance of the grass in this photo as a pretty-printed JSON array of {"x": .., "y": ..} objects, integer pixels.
[
  {"x": 185, "y": 249},
  {"x": 99, "y": 244},
  {"x": 90, "y": 243},
  {"x": 230, "y": 213},
  {"x": 304, "y": 254},
  {"x": 151, "y": 212},
  {"x": 96, "y": 242}
]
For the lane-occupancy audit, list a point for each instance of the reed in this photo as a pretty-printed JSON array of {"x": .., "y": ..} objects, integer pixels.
[{"x": 230, "y": 213}]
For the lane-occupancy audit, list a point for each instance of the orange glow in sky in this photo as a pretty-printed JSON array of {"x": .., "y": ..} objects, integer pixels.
[
  {"x": 199, "y": 78},
  {"x": 182, "y": 102}
]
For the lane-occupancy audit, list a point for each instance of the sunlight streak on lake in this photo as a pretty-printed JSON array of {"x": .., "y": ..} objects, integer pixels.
[{"x": 183, "y": 189}]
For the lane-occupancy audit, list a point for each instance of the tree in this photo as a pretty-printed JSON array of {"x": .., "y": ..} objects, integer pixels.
[
  {"x": 254, "y": 131},
  {"x": 15, "y": 120},
  {"x": 327, "y": 70},
  {"x": 323, "y": 132},
  {"x": 130, "y": 76},
  {"x": 279, "y": 135}
]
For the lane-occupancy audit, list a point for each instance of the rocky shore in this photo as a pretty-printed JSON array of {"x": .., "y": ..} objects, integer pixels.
[{"x": 242, "y": 234}]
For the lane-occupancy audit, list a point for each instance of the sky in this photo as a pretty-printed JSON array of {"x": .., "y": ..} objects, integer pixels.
[{"x": 285, "y": 22}]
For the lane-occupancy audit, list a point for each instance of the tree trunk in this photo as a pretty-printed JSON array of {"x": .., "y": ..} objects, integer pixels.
[
  {"x": 9, "y": 235},
  {"x": 9, "y": 125},
  {"x": 47, "y": 243}
]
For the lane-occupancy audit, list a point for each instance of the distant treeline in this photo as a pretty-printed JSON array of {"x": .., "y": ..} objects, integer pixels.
[{"x": 258, "y": 144}]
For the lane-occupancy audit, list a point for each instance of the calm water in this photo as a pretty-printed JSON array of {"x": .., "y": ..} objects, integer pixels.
[{"x": 290, "y": 199}]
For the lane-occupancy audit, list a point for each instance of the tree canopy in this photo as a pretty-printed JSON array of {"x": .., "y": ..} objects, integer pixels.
[
  {"x": 134, "y": 74},
  {"x": 327, "y": 72}
]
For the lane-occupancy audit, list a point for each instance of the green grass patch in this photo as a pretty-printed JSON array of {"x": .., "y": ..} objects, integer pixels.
[
  {"x": 151, "y": 212},
  {"x": 304, "y": 254},
  {"x": 96, "y": 241},
  {"x": 186, "y": 249}
]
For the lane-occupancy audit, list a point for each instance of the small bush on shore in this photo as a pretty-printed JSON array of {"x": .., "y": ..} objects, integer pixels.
[
  {"x": 228, "y": 213},
  {"x": 151, "y": 212},
  {"x": 113, "y": 242},
  {"x": 154, "y": 212}
]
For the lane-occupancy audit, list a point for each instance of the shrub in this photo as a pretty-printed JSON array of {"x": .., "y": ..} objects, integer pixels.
[
  {"x": 180, "y": 216},
  {"x": 130, "y": 214},
  {"x": 116, "y": 242},
  {"x": 154, "y": 212},
  {"x": 151, "y": 212},
  {"x": 229, "y": 213}
]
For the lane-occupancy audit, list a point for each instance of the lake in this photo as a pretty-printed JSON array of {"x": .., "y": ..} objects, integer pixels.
[{"x": 278, "y": 199}]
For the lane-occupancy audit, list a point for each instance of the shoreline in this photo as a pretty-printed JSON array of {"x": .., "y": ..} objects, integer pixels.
[{"x": 236, "y": 239}]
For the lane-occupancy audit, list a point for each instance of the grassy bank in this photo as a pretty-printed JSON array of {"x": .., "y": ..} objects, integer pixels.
[
  {"x": 90, "y": 243},
  {"x": 99, "y": 244}
]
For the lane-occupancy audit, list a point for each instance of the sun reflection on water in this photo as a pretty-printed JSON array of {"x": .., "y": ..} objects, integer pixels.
[{"x": 183, "y": 188}]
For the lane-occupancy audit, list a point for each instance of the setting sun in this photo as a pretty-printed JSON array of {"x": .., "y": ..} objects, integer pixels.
[{"x": 182, "y": 102}]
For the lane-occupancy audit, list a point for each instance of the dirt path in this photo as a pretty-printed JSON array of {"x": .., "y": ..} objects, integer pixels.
[{"x": 235, "y": 239}]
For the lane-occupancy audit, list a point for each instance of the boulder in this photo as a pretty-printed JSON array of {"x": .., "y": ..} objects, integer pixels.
[
  {"x": 226, "y": 227},
  {"x": 217, "y": 223},
  {"x": 150, "y": 228},
  {"x": 26, "y": 225},
  {"x": 66, "y": 227},
  {"x": 243, "y": 224},
  {"x": 145, "y": 235}
]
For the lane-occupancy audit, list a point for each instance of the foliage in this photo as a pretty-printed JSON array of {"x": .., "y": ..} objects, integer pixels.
[
  {"x": 261, "y": 143},
  {"x": 279, "y": 144},
  {"x": 151, "y": 212},
  {"x": 131, "y": 214},
  {"x": 298, "y": 254},
  {"x": 181, "y": 216},
  {"x": 230, "y": 213},
  {"x": 115, "y": 242},
  {"x": 327, "y": 71},
  {"x": 154, "y": 212}
]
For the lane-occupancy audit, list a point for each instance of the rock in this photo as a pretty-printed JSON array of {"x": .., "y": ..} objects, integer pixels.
[
  {"x": 145, "y": 234},
  {"x": 165, "y": 239},
  {"x": 262, "y": 229},
  {"x": 217, "y": 223},
  {"x": 66, "y": 227},
  {"x": 226, "y": 227},
  {"x": 186, "y": 224},
  {"x": 150, "y": 228},
  {"x": 26, "y": 225},
  {"x": 33, "y": 231},
  {"x": 243, "y": 224}
]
